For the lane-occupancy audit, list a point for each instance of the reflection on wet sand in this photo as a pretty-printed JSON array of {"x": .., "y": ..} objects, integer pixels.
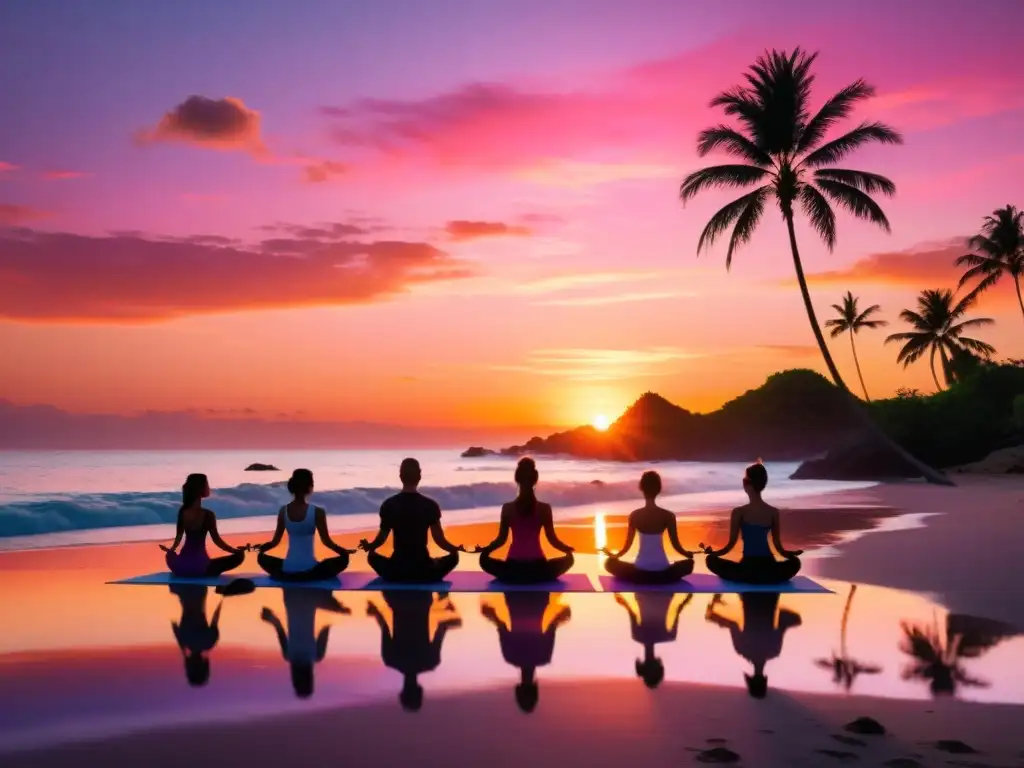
[
  {"x": 526, "y": 642},
  {"x": 759, "y": 640},
  {"x": 650, "y": 625},
  {"x": 195, "y": 635},
  {"x": 937, "y": 656},
  {"x": 406, "y": 646},
  {"x": 301, "y": 646},
  {"x": 844, "y": 668}
]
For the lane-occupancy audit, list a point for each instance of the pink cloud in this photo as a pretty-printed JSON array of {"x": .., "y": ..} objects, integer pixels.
[
  {"x": 646, "y": 116},
  {"x": 7, "y": 167},
  {"x": 320, "y": 171},
  {"x": 223, "y": 124},
  {"x": 64, "y": 175},
  {"x": 47, "y": 277},
  {"x": 20, "y": 214}
]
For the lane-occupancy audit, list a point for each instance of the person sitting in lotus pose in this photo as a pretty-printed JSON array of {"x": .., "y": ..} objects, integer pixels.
[
  {"x": 411, "y": 516},
  {"x": 754, "y": 521},
  {"x": 650, "y": 625},
  {"x": 525, "y": 518},
  {"x": 652, "y": 565},
  {"x": 302, "y": 519},
  {"x": 194, "y": 523},
  {"x": 196, "y": 635}
]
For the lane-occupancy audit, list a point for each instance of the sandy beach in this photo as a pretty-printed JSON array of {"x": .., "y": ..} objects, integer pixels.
[{"x": 957, "y": 557}]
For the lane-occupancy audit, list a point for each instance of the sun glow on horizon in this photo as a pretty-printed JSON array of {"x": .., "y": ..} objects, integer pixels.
[{"x": 601, "y": 422}]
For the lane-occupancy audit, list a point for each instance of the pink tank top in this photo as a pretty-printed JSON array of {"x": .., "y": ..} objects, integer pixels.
[{"x": 525, "y": 536}]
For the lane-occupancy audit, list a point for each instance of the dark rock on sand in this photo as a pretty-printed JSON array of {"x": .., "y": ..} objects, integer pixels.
[
  {"x": 865, "y": 726},
  {"x": 262, "y": 468},
  {"x": 1006, "y": 461},
  {"x": 955, "y": 747},
  {"x": 903, "y": 762},
  {"x": 476, "y": 452},
  {"x": 835, "y": 754},
  {"x": 849, "y": 741},
  {"x": 240, "y": 586},
  {"x": 719, "y": 755},
  {"x": 857, "y": 458}
]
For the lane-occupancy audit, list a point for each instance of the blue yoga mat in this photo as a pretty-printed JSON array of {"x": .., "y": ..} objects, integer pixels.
[
  {"x": 700, "y": 583},
  {"x": 460, "y": 581}
]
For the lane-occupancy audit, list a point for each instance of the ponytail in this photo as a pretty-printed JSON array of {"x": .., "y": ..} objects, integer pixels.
[
  {"x": 192, "y": 490},
  {"x": 526, "y": 477}
]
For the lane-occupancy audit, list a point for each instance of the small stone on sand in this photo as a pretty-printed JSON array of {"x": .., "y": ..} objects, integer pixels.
[
  {"x": 903, "y": 762},
  {"x": 845, "y": 757},
  {"x": 955, "y": 747},
  {"x": 718, "y": 755},
  {"x": 849, "y": 741},
  {"x": 866, "y": 726}
]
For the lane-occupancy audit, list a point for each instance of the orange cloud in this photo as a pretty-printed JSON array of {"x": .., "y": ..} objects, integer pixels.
[
  {"x": 319, "y": 171},
  {"x": 129, "y": 277},
  {"x": 19, "y": 214},
  {"x": 472, "y": 230},
  {"x": 64, "y": 175},
  {"x": 224, "y": 124},
  {"x": 923, "y": 266}
]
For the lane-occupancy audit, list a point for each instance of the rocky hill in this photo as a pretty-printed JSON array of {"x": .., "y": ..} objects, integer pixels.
[{"x": 793, "y": 415}]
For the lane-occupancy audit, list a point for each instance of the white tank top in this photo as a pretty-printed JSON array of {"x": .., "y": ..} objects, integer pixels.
[
  {"x": 300, "y": 555},
  {"x": 651, "y": 555}
]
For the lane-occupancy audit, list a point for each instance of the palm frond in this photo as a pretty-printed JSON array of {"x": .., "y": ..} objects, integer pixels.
[
  {"x": 746, "y": 223},
  {"x": 862, "y": 180},
  {"x": 823, "y": 218},
  {"x": 837, "y": 149},
  {"x": 835, "y": 109},
  {"x": 725, "y": 216},
  {"x": 732, "y": 141},
  {"x": 856, "y": 202},
  {"x": 974, "y": 345},
  {"x": 720, "y": 176}
]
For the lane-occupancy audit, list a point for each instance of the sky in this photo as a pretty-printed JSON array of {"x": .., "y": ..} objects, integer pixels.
[{"x": 457, "y": 213}]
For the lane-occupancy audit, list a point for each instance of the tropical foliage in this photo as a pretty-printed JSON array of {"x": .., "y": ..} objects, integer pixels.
[{"x": 996, "y": 252}]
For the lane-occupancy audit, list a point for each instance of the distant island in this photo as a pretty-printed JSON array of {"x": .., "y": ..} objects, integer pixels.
[
  {"x": 798, "y": 415},
  {"x": 257, "y": 467}
]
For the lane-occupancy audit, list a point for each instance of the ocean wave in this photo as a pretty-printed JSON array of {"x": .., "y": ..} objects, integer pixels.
[{"x": 109, "y": 510}]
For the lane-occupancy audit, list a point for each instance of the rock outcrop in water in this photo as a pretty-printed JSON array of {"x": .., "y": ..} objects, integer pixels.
[
  {"x": 262, "y": 468},
  {"x": 476, "y": 452},
  {"x": 794, "y": 414}
]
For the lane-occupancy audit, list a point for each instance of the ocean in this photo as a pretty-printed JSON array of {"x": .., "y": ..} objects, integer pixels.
[{"x": 58, "y": 498}]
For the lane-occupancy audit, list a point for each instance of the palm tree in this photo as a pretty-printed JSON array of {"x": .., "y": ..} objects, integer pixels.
[
  {"x": 999, "y": 251},
  {"x": 936, "y": 655},
  {"x": 850, "y": 320},
  {"x": 938, "y": 329},
  {"x": 844, "y": 669},
  {"x": 782, "y": 154}
]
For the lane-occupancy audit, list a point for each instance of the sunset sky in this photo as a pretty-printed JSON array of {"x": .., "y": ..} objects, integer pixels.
[{"x": 458, "y": 212}]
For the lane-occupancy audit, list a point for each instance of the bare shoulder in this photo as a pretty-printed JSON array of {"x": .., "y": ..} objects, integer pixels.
[
  {"x": 544, "y": 508},
  {"x": 210, "y": 514}
]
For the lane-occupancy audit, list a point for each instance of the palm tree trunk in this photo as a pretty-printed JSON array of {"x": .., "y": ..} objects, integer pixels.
[
  {"x": 845, "y": 621},
  {"x": 856, "y": 362},
  {"x": 931, "y": 363},
  {"x": 1016, "y": 284},
  {"x": 929, "y": 474}
]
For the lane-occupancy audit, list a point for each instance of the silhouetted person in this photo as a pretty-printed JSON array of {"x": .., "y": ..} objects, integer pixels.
[
  {"x": 525, "y": 643},
  {"x": 650, "y": 626},
  {"x": 194, "y": 523},
  {"x": 651, "y": 522},
  {"x": 195, "y": 635},
  {"x": 754, "y": 521},
  {"x": 411, "y": 517},
  {"x": 761, "y": 638},
  {"x": 525, "y": 518},
  {"x": 302, "y": 520},
  {"x": 407, "y": 647},
  {"x": 301, "y": 647}
]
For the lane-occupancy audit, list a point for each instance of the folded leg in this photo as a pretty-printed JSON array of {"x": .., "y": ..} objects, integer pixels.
[
  {"x": 526, "y": 571},
  {"x": 620, "y": 569},
  {"x": 271, "y": 565},
  {"x": 421, "y": 572},
  {"x": 754, "y": 570},
  {"x": 219, "y": 565}
]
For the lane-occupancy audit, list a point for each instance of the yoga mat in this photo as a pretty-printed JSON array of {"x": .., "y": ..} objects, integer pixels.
[
  {"x": 701, "y": 583},
  {"x": 356, "y": 581}
]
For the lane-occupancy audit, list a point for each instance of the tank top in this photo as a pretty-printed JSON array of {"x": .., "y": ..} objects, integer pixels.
[
  {"x": 300, "y": 555},
  {"x": 525, "y": 536},
  {"x": 755, "y": 540},
  {"x": 651, "y": 555}
]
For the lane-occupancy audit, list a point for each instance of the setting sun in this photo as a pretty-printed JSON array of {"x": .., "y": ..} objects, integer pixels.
[{"x": 601, "y": 422}]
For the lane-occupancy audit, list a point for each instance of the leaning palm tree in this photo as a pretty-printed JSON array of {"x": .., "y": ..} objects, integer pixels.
[
  {"x": 844, "y": 669},
  {"x": 998, "y": 250},
  {"x": 851, "y": 320},
  {"x": 783, "y": 154},
  {"x": 938, "y": 330}
]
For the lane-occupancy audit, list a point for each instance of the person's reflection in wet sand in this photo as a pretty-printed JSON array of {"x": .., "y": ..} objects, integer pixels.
[
  {"x": 407, "y": 646},
  {"x": 195, "y": 635},
  {"x": 526, "y": 643},
  {"x": 301, "y": 646},
  {"x": 760, "y": 639},
  {"x": 650, "y": 626}
]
